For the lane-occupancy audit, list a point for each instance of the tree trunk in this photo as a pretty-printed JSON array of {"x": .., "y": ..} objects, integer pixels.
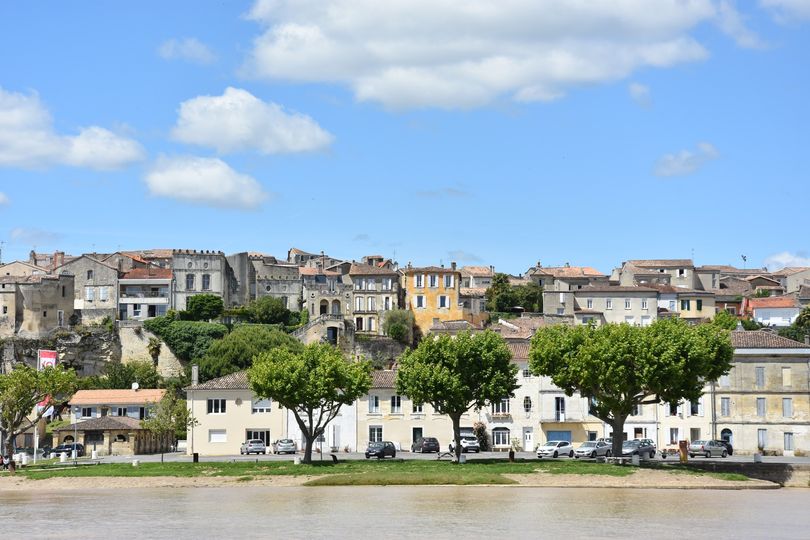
[
  {"x": 618, "y": 435},
  {"x": 456, "y": 418},
  {"x": 12, "y": 466},
  {"x": 309, "y": 439}
]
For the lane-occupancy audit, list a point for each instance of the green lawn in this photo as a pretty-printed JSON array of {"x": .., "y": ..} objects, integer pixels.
[{"x": 372, "y": 472}]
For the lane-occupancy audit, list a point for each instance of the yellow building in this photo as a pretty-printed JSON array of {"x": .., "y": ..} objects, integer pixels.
[{"x": 432, "y": 294}]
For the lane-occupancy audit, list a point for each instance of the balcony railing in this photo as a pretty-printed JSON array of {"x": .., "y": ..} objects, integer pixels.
[{"x": 147, "y": 294}]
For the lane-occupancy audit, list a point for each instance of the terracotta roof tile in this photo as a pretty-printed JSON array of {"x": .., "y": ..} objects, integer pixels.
[
  {"x": 569, "y": 271},
  {"x": 614, "y": 288},
  {"x": 148, "y": 273},
  {"x": 436, "y": 269},
  {"x": 104, "y": 423},
  {"x": 476, "y": 271},
  {"x": 234, "y": 381},
  {"x": 518, "y": 348},
  {"x": 383, "y": 378},
  {"x": 662, "y": 263},
  {"x": 763, "y": 339},
  {"x": 117, "y": 397},
  {"x": 472, "y": 291},
  {"x": 790, "y": 270},
  {"x": 367, "y": 270},
  {"x": 787, "y": 301}
]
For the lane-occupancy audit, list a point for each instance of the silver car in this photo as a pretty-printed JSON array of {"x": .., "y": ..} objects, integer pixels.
[
  {"x": 592, "y": 449},
  {"x": 707, "y": 449},
  {"x": 555, "y": 449},
  {"x": 284, "y": 446},
  {"x": 253, "y": 446}
]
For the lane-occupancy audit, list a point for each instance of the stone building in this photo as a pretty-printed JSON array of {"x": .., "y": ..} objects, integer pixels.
[
  {"x": 278, "y": 279},
  {"x": 95, "y": 286},
  {"x": 33, "y": 306},
  {"x": 325, "y": 293},
  {"x": 20, "y": 268},
  {"x": 375, "y": 292},
  {"x": 144, "y": 293},
  {"x": 113, "y": 436},
  {"x": 202, "y": 272},
  {"x": 432, "y": 293}
]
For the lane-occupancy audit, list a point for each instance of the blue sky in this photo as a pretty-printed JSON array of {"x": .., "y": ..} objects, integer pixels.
[{"x": 497, "y": 132}]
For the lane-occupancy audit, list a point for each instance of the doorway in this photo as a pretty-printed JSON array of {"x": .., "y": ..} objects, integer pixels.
[
  {"x": 528, "y": 439},
  {"x": 416, "y": 434}
]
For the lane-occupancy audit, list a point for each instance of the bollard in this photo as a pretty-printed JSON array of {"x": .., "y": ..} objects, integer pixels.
[
  {"x": 195, "y": 457},
  {"x": 757, "y": 458},
  {"x": 135, "y": 462},
  {"x": 94, "y": 454},
  {"x": 24, "y": 459},
  {"x": 296, "y": 460},
  {"x": 63, "y": 457},
  {"x": 635, "y": 460},
  {"x": 462, "y": 459}
]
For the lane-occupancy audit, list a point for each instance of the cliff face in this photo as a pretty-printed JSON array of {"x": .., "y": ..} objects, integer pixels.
[{"x": 87, "y": 350}]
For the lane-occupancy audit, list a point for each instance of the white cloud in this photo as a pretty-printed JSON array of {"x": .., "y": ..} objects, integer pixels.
[
  {"x": 4, "y": 200},
  {"x": 777, "y": 261},
  {"x": 34, "y": 237},
  {"x": 238, "y": 120},
  {"x": 27, "y": 139},
  {"x": 640, "y": 94},
  {"x": 190, "y": 49},
  {"x": 732, "y": 23},
  {"x": 786, "y": 11},
  {"x": 686, "y": 161},
  {"x": 459, "y": 54},
  {"x": 461, "y": 255},
  {"x": 204, "y": 181}
]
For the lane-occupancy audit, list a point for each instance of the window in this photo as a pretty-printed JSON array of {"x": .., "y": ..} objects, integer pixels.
[
  {"x": 699, "y": 304},
  {"x": 681, "y": 272},
  {"x": 589, "y": 303},
  {"x": 217, "y": 436},
  {"x": 731, "y": 310},
  {"x": 500, "y": 436},
  {"x": 5, "y": 310},
  {"x": 685, "y": 305},
  {"x": 387, "y": 303},
  {"x": 627, "y": 303},
  {"x": 372, "y": 303},
  {"x": 89, "y": 294},
  {"x": 120, "y": 411},
  {"x": 787, "y": 407},
  {"x": 216, "y": 406},
  {"x": 375, "y": 434},
  {"x": 788, "y": 441},
  {"x": 141, "y": 413},
  {"x": 560, "y": 311},
  {"x": 724, "y": 381},
  {"x": 63, "y": 291},
  {"x": 418, "y": 408},
  {"x": 358, "y": 323},
  {"x": 45, "y": 314},
  {"x": 419, "y": 280},
  {"x": 358, "y": 303},
  {"x": 673, "y": 435},
  {"x": 527, "y": 404},
  {"x": 760, "y": 406},
  {"x": 87, "y": 412},
  {"x": 261, "y": 434},
  {"x": 636, "y": 410},
  {"x": 136, "y": 310},
  {"x": 786, "y": 376},
  {"x": 559, "y": 409},
  {"x": 694, "y": 434},
  {"x": 673, "y": 409},
  {"x": 103, "y": 294},
  {"x": 373, "y": 404},
  {"x": 672, "y": 305},
  {"x": 725, "y": 406},
  {"x": 762, "y": 438},
  {"x": 609, "y": 303},
  {"x": 206, "y": 282},
  {"x": 759, "y": 376},
  {"x": 433, "y": 281},
  {"x": 448, "y": 281},
  {"x": 372, "y": 324},
  {"x": 189, "y": 282},
  {"x": 420, "y": 301},
  {"x": 643, "y": 303},
  {"x": 396, "y": 405},
  {"x": 527, "y": 373},
  {"x": 444, "y": 301},
  {"x": 260, "y": 406},
  {"x": 695, "y": 408},
  {"x": 89, "y": 274},
  {"x": 386, "y": 284},
  {"x": 501, "y": 407},
  {"x": 371, "y": 284}
]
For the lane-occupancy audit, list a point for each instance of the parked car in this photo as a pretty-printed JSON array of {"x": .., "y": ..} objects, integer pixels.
[
  {"x": 68, "y": 449},
  {"x": 284, "y": 446},
  {"x": 651, "y": 443},
  {"x": 253, "y": 446},
  {"x": 707, "y": 449},
  {"x": 555, "y": 449},
  {"x": 728, "y": 446},
  {"x": 592, "y": 449},
  {"x": 381, "y": 449},
  {"x": 425, "y": 444},
  {"x": 638, "y": 447},
  {"x": 469, "y": 443},
  {"x": 670, "y": 450}
]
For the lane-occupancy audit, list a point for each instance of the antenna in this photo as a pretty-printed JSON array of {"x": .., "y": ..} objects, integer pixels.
[{"x": 744, "y": 259}]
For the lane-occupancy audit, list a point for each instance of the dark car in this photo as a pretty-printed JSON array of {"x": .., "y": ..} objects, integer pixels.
[
  {"x": 381, "y": 449},
  {"x": 636, "y": 447},
  {"x": 68, "y": 449},
  {"x": 729, "y": 448},
  {"x": 425, "y": 444}
]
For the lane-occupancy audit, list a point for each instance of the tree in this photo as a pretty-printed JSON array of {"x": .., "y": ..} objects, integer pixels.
[
  {"x": 268, "y": 310},
  {"x": 154, "y": 347},
  {"x": 618, "y": 367},
  {"x": 724, "y": 319},
  {"x": 312, "y": 383},
  {"x": 121, "y": 376},
  {"x": 20, "y": 392},
  {"x": 188, "y": 340},
  {"x": 169, "y": 418},
  {"x": 398, "y": 325},
  {"x": 237, "y": 350},
  {"x": 456, "y": 374},
  {"x": 529, "y": 297},
  {"x": 800, "y": 327},
  {"x": 204, "y": 307},
  {"x": 500, "y": 295}
]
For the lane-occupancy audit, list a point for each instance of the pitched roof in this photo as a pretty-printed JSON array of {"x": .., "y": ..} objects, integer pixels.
[
  {"x": 518, "y": 348},
  {"x": 311, "y": 271},
  {"x": 383, "y": 378},
  {"x": 437, "y": 269},
  {"x": 34, "y": 278},
  {"x": 148, "y": 273},
  {"x": 763, "y": 339},
  {"x": 790, "y": 270},
  {"x": 678, "y": 290},
  {"x": 662, "y": 263},
  {"x": 568, "y": 271},
  {"x": 85, "y": 256},
  {"x": 614, "y": 288},
  {"x": 104, "y": 423},
  {"x": 357, "y": 269},
  {"x": 117, "y": 397},
  {"x": 149, "y": 253},
  {"x": 472, "y": 291},
  {"x": 476, "y": 271},
  {"x": 804, "y": 292},
  {"x": 234, "y": 381},
  {"x": 787, "y": 301},
  {"x": 453, "y": 325},
  {"x": 719, "y": 268}
]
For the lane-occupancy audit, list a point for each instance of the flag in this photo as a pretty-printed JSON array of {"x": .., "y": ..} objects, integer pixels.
[{"x": 46, "y": 359}]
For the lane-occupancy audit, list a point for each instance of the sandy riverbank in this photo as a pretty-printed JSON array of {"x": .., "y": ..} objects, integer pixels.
[{"x": 642, "y": 478}]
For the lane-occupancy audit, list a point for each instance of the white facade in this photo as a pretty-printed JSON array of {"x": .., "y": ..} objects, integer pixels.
[{"x": 776, "y": 316}]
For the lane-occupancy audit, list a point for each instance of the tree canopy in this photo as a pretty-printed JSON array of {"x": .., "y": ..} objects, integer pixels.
[
  {"x": 20, "y": 392},
  {"x": 620, "y": 366},
  {"x": 118, "y": 376},
  {"x": 800, "y": 327},
  {"x": 456, "y": 374},
  {"x": 312, "y": 383},
  {"x": 168, "y": 418},
  {"x": 203, "y": 307},
  {"x": 398, "y": 325},
  {"x": 236, "y": 351},
  {"x": 266, "y": 310},
  {"x": 188, "y": 340},
  {"x": 726, "y": 320},
  {"x": 503, "y": 297}
]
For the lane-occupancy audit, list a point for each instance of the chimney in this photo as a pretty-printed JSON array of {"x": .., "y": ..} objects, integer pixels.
[
  {"x": 568, "y": 265},
  {"x": 59, "y": 258},
  {"x": 195, "y": 375},
  {"x": 539, "y": 265},
  {"x": 453, "y": 265}
]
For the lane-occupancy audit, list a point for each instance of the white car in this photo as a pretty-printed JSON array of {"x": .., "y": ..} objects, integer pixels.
[
  {"x": 469, "y": 443},
  {"x": 555, "y": 449}
]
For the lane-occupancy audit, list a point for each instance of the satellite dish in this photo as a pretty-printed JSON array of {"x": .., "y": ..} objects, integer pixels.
[{"x": 135, "y": 386}]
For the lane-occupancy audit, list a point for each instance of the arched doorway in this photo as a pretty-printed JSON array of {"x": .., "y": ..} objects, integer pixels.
[
  {"x": 335, "y": 307},
  {"x": 324, "y": 307},
  {"x": 727, "y": 436}
]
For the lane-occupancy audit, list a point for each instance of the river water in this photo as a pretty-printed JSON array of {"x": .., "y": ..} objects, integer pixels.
[{"x": 405, "y": 512}]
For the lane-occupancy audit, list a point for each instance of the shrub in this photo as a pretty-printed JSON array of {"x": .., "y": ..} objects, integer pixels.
[
  {"x": 480, "y": 430},
  {"x": 186, "y": 339}
]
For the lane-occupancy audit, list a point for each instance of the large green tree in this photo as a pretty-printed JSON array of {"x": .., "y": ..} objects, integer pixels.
[
  {"x": 168, "y": 419},
  {"x": 237, "y": 350},
  {"x": 204, "y": 307},
  {"x": 398, "y": 325},
  {"x": 456, "y": 374},
  {"x": 20, "y": 392},
  {"x": 620, "y": 366},
  {"x": 800, "y": 327},
  {"x": 312, "y": 383},
  {"x": 500, "y": 295}
]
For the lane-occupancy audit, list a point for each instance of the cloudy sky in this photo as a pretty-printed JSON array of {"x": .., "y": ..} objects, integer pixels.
[{"x": 500, "y": 132}]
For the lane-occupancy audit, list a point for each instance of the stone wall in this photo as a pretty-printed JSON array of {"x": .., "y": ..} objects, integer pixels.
[
  {"x": 88, "y": 350},
  {"x": 135, "y": 347},
  {"x": 380, "y": 350}
]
